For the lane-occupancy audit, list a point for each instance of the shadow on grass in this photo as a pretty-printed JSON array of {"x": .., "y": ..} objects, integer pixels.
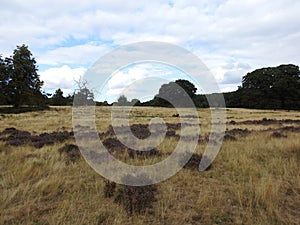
[{"x": 13, "y": 110}]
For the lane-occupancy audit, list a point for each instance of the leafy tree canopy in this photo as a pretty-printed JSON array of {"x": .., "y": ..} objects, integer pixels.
[
  {"x": 175, "y": 92},
  {"x": 19, "y": 80},
  {"x": 272, "y": 87}
]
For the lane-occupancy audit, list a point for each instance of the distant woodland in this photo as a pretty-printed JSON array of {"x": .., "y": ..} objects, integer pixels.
[{"x": 265, "y": 88}]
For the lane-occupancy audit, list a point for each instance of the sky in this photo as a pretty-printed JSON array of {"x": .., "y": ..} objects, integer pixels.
[{"x": 231, "y": 37}]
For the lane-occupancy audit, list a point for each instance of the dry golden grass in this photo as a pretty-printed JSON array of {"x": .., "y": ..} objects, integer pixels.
[{"x": 254, "y": 180}]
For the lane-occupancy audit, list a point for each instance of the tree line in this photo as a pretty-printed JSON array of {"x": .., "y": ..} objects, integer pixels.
[{"x": 266, "y": 88}]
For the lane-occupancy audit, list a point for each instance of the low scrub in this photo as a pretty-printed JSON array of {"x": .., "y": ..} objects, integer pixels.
[{"x": 134, "y": 199}]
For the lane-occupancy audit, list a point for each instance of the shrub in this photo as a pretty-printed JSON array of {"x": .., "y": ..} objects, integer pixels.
[
  {"x": 71, "y": 152},
  {"x": 194, "y": 161},
  {"x": 148, "y": 152},
  {"x": 15, "y": 137},
  {"x": 135, "y": 199},
  {"x": 109, "y": 188},
  {"x": 278, "y": 135}
]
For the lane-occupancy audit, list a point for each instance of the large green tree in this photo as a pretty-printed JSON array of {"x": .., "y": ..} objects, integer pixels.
[
  {"x": 187, "y": 86},
  {"x": 271, "y": 87},
  {"x": 24, "y": 82},
  {"x": 178, "y": 92}
]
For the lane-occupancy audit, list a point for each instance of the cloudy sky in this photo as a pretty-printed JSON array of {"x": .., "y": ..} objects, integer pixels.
[{"x": 230, "y": 37}]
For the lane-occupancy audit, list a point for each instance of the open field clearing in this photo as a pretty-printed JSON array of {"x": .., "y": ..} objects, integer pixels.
[{"x": 255, "y": 178}]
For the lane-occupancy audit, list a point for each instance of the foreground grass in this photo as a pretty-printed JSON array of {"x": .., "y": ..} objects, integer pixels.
[{"x": 254, "y": 179}]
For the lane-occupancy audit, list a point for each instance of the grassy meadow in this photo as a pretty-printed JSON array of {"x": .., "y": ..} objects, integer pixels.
[{"x": 255, "y": 179}]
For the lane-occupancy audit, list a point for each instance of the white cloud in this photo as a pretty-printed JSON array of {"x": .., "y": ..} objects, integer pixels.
[
  {"x": 228, "y": 88},
  {"x": 128, "y": 80},
  {"x": 62, "y": 77},
  {"x": 76, "y": 33},
  {"x": 80, "y": 55},
  {"x": 234, "y": 74}
]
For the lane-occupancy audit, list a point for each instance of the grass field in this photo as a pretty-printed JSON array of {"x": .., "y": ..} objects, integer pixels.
[{"x": 255, "y": 178}]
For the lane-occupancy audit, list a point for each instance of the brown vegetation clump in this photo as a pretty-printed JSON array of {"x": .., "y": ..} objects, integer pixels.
[
  {"x": 229, "y": 137},
  {"x": 15, "y": 137},
  {"x": 109, "y": 188},
  {"x": 193, "y": 162},
  {"x": 264, "y": 121},
  {"x": 142, "y": 131},
  {"x": 172, "y": 133},
  {"x": 290, "y": 129},
  {"x": 71, "y": 152},
  {"x": 278, "y": 135},
  {"x": 237, "y": 132},
  {"x": 147, "y": 152},
  {"x": 113, "y": 144},
  {"x": 135, "y": 199}
]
